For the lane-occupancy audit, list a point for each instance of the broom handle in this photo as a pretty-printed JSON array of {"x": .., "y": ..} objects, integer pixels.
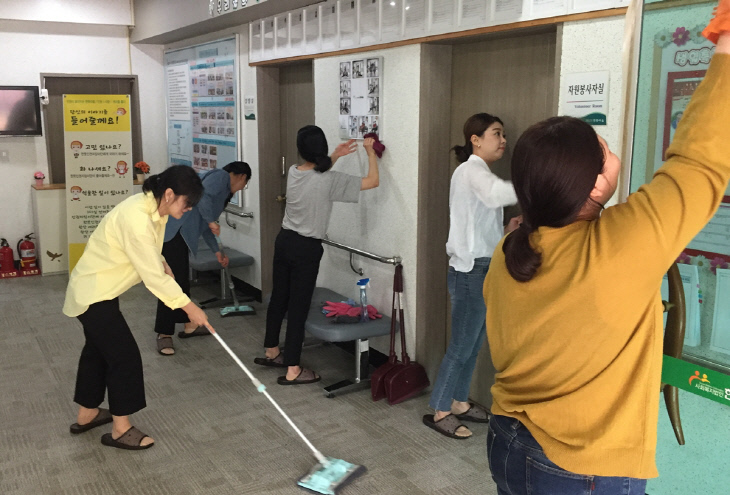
[
  {"x": 262, "y": 388},
  {"x": 228, "y": 274}
]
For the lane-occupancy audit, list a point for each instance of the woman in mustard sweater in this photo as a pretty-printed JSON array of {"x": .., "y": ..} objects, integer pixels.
[{"x": 574, "y": 314}]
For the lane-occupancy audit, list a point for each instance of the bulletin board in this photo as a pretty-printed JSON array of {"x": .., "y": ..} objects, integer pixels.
[
  {"x": 202, "y": 105},
  {"x": 361, "y": 97}
]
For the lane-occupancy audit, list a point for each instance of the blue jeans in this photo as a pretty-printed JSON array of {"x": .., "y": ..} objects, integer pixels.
[
  {"x": 519, "y": 467},
  {"x": 468, "y": 331}
]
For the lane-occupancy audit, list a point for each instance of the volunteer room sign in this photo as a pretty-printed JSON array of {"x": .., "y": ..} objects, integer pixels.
[{"x": 98, "y": 144}]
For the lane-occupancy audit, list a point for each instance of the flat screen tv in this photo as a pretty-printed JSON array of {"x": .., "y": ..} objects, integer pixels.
[{"x": 20, "y": 111}]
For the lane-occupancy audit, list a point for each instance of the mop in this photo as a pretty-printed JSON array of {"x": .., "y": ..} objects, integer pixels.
[
  {"x": 329, "y": 474},
  {"x": 236, "y": 309}
]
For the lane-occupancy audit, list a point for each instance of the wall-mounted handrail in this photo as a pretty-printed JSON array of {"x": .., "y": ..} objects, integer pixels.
[{"x": 393, "y": 260}]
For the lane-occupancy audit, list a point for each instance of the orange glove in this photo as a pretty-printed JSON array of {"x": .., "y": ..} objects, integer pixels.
[{"x": 720, "y": 23}]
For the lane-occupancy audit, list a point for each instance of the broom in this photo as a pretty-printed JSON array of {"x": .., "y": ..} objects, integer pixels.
[
  {"x": 236, "y": 309},
  {"x": 329, "y": 474}
]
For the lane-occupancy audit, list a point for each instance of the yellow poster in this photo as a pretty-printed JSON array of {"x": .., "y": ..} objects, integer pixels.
[{"x": 98, "y": 144}]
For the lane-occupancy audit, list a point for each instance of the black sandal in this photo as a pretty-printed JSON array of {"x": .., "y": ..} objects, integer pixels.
[
  {"x": 165, "y": 343},
  {"x": 475, "y": 414},
  {"x": 130, "y": 440},
  {"x": 102, "y": 417},
  {"x": 198, "y": 332},
  {"x": 446, "y": 425},
  {"x": 305, "y": 376},
  {"x": 277, "y": 362}
]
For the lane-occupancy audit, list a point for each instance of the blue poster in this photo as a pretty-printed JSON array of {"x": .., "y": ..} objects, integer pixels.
[{"x": 202, "y": 109}]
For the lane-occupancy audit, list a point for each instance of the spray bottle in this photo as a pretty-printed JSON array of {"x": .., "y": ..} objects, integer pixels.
[{"x": 363, "y": 285}]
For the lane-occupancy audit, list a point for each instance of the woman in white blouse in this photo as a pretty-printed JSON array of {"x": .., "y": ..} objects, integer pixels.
[{"x": 476, "y": 199}]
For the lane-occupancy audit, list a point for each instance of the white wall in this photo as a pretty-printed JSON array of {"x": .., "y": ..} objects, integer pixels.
[
  {"x": 147, "y": 65},
  {"x": 595, "y": 45},
  {"x": 384, "y": 221},
  {"x": 28, "y": 49},
  {"x": 246, "y": 237},
  {"x": 112, "y": 12}
]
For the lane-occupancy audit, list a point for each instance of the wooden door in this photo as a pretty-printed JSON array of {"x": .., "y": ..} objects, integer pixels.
[
  {"x": 509, "y": 75},
  {"x": 514, "y": 78},
  {"x": 286, "y": 103}
]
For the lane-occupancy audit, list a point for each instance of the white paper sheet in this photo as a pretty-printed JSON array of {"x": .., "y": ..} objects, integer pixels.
[{"x": 720, "y": 341}]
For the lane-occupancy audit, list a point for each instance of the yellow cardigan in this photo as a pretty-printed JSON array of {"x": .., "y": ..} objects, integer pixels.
[
  {"x": 578, "y": 349},
  {"x": 124, "y": 250}
]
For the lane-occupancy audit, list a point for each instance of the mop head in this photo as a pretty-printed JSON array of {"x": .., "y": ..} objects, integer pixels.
[
  {"x": 330, "y": 478},
  {"x": 237, "y": 311}
]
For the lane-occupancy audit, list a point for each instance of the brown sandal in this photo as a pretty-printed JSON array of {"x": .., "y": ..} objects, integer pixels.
[
  {"x": 165, "y": 343},
  {"x": 446, "y": 426},
  {"x": 130, "y": 440},
  {"x": 305, "y": 376}
]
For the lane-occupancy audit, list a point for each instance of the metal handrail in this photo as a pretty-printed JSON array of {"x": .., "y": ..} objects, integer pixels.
[{"x": 393, "y": 260}]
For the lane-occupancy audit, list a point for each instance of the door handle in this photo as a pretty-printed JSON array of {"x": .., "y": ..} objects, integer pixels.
[{"x": 281, "y": 198}]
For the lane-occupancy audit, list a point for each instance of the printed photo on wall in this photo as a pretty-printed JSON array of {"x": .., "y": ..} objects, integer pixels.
[
  {"x": 373, "y": 86},
  {"x": 353, "y": 127},
  {"x": 345, "y": 89},
  {"x": 373, "y": 69},
  {"x": 358, "y": 69},
  {"x": 373, "y": 124},
  {"x": 374, "y": 106},
  {"x": 363, "y": 127},
  {"x": 344, "y": 106},
  {"x": 344, "y": 70}
]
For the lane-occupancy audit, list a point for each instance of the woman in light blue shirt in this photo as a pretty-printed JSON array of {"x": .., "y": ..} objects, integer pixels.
[{"x": 181, "y": 237}]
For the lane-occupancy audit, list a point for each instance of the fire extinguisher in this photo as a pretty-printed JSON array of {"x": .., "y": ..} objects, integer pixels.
[
  {"x": 26, "y": 252},
  {"x": 7, "y": 260}
]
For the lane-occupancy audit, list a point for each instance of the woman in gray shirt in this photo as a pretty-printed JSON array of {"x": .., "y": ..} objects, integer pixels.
[{"x": 311, "y": 189}]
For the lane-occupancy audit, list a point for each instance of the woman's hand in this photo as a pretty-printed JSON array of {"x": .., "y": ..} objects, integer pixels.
[
  {"x": 167, "y": 269},
  {"x": 222, "y": 259},
  {"x": 368, "y": 145},
  {"x": 196, "y": 315},
  {"x": 343, "y": 149},
  {"x": 215, "y": 228},
  {"x": 513, "y": 224}
]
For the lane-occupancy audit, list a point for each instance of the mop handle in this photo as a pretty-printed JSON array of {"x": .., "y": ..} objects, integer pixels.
[{"x": 262, "y": 388}]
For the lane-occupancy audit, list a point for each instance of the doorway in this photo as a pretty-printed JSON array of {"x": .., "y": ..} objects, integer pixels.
[
  {"x": 286, "y": 96},
  {"x": 510, "y": 75}
]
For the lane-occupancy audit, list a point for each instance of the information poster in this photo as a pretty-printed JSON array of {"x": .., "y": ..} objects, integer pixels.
[
  {"x": 507, "y": 10},
  {"x": 202, "y": 105},
  {"x": 98, "y": 151},
  {"x": 586, "y": 96},
  {"x": 360, "y": 97},
  {"x": 721, "y": 319}
]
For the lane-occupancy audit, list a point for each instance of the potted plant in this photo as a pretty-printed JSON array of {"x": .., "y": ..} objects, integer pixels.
[
  {"x": 39, "y": 176},
  {"x": 140, "y": 169}
]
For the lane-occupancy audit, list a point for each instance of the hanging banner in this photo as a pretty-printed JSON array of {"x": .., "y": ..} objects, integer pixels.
[{"x": 98, "y": 144}]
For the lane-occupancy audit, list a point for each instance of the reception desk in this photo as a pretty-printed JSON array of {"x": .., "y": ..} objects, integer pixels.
[{"x": 49, "y": 222}]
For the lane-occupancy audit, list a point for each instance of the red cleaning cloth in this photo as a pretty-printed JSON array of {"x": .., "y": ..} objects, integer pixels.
[{"x": 378, "y": 147}]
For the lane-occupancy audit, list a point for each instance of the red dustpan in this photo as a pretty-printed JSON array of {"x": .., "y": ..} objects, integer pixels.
[
  {"x": 406, "y": 379},
  {"x": 377, "y": 380}
]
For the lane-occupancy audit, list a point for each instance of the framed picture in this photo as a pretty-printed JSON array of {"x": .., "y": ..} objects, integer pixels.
[{"x": 361, "y": 97}]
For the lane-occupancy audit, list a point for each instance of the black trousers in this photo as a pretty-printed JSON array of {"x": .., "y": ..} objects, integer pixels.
[
  {"x": 110, "y": 360},
  {"x": 175, "y": 252},
  {"x": 296, "y": 265}
]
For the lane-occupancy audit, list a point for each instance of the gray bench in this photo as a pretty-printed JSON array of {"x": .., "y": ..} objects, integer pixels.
[
  {"x": 206, "y": 261},
  {"x": 321, "y": 327}
]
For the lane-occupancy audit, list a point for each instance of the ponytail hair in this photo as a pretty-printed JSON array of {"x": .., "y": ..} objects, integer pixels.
[
  {"x": 182, "y": 179},
  {"x": 312, "y": 147},
  {"x": 475, "y": 125},
  {"x": 554, "y": 169}
]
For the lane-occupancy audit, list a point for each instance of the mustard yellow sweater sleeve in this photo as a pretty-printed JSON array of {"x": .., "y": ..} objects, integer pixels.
[{"x": 662, "y": 217}]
